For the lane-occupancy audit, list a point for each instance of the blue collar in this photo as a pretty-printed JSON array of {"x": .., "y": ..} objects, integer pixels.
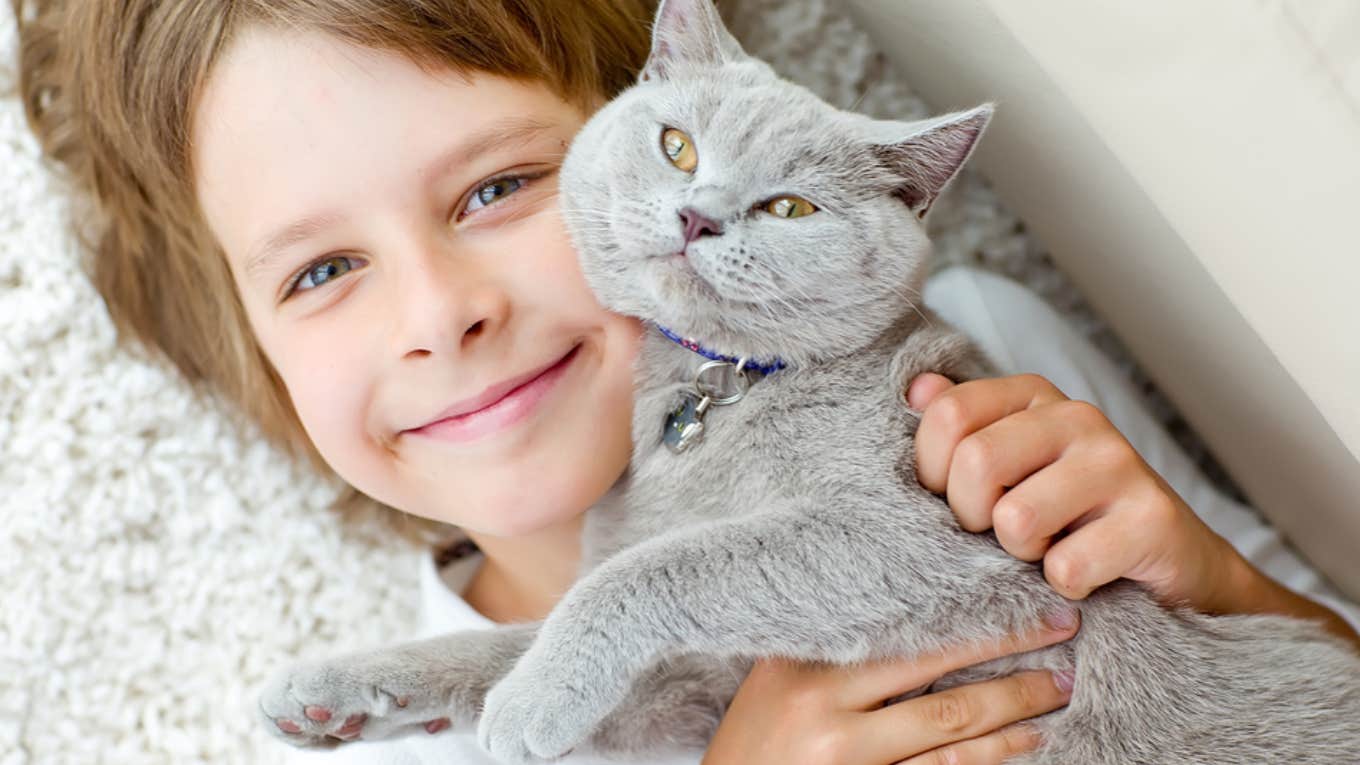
[{"x": 773, "y": 366}]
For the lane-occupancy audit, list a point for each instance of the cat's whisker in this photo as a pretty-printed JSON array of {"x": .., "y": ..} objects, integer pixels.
[
  {"x": 912, "y": 297},
  {"x": 808, "y": 300},
  {"x": 769, "y": 294}
]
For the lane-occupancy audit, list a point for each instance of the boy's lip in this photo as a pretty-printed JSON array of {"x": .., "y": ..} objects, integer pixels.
[{"x": 494, "y": 393}]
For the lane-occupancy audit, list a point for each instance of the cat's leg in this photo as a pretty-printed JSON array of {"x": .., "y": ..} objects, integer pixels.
[
  {"x": 675, "y": 704},
  {"x": 788, "y": 584},
  {"x": 941, "y": 349},
  {"x": 424, "y": 685}
]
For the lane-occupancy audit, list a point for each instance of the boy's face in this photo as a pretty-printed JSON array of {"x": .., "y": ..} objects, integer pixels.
[{"x": 395, "y": 240}]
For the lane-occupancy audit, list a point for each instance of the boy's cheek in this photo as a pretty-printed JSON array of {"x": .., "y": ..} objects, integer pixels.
[{"x": 334, "y": 436}]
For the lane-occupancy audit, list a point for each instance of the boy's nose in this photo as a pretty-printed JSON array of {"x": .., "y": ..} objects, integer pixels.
[
  {"x": 449, "y": 312},
  {"x": 696, "y": 224}
]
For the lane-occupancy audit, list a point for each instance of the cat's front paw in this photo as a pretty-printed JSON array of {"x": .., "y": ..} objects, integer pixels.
[
  {"x": 321, "y": 704},
  {"x": 532, "y": 716}
]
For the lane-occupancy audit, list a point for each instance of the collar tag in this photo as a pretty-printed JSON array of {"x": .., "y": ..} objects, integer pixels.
[
  {"x": 721, "y": 381},
  {"x": 717, "y": 383}
]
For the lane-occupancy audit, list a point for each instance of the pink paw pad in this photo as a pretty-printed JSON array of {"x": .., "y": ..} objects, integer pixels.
[
  {"x": 434, "y": 726},
  {"x": 319, "y": 714},
  {"x": 353, "y": 724},
  {"x": 288, "y": 726}
]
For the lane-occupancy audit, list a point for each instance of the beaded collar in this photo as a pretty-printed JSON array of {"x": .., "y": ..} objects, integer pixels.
[{"x": 775, "y": 364}]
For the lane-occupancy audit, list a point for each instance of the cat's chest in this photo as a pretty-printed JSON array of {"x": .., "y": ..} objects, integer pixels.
[
  {"x": 685, "y": 448},
  {"x": 783, "y": 438}
]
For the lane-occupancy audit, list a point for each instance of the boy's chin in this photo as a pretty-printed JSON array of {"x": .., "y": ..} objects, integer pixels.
[
  {"x": 536, "y": 507},
  {"x": 522, "y": 520}
]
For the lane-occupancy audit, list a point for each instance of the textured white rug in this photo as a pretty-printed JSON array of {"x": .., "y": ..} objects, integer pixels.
[{"x": 156, "y": 562}]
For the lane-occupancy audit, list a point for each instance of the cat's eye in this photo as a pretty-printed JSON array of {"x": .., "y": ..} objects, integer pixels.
[
  {"x": 790, "y": 207},
  {"x": 679, "y": 148}
]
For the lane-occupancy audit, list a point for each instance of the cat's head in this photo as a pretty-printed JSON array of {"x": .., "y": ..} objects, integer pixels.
[{"x": 741, "y": 210}]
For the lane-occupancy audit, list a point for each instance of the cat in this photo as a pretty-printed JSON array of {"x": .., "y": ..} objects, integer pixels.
[{"x": 771, "y": 506}]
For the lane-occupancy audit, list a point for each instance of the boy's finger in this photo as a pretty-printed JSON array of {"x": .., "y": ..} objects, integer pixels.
[
  {"x": 866, "y": 686},
  {"x": 966, "y": 408},
  {"x": 992, "y": 749},
  {"x": 1107, "y": 548},
  {"x": 1005, "y": 454},
  {"x": 1062, "y": 496},
  {"x": 957, "y": 715},
  {"x": 925, "y": 388}
]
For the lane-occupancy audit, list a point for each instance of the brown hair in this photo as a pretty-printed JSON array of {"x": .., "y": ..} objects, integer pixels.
[{"x": 110, "y": 89}]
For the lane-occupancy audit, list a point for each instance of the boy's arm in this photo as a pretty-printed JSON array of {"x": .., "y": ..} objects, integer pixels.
[
  {"x": 1252, "y": 592},
  {"x": 1058, "y": 482}
]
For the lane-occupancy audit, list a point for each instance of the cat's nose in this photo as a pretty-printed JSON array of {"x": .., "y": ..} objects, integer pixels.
[{"x": 696, "y": 225}]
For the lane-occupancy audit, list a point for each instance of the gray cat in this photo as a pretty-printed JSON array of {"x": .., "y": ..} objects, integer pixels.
[{"x": 771, "y": 506}]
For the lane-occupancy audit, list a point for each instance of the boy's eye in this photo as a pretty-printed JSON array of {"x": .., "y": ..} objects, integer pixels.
[
  {"x": 679, "y": 149},
  {"x": 321, "y": 272},
  {"x": 789, "y": 207},
  {"x": 492, "y": 191}
]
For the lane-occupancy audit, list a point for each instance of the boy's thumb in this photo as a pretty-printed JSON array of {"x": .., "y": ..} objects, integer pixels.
[{"x": 925, "y": 388}]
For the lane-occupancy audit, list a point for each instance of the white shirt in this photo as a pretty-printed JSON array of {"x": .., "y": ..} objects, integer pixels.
[{"x": 1021, "y": 334}]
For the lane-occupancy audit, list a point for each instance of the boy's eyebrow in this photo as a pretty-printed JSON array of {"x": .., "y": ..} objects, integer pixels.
[
  {"x": 287, "y": 236},
  {"x": 497, "y": 136}
]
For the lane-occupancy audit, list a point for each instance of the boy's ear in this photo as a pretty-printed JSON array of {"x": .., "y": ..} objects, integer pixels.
[
  {"x": 688, "y": 32},
  {"x": 931, "y": 153}
]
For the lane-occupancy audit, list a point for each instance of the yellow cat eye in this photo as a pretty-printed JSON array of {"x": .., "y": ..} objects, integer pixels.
[
  {"x": 790, "y": 207},
  {"x": 679, "y": 149}
]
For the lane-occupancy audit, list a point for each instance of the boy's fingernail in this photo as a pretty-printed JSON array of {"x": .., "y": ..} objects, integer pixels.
[
  {"x": 916, "y": 396},
  {"x": 1065, "y": 680},
  {"x": 1061, "y": 620}
]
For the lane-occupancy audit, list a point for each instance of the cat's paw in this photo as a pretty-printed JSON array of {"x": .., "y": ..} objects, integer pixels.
[
  {"x": 322, "y": 704},
  {"x": 532, "y": 716}
]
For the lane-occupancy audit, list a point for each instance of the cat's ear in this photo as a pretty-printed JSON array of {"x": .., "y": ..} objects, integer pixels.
[
  {"x": 931, "y": 153},
  {"x": 688, "y": 32}
]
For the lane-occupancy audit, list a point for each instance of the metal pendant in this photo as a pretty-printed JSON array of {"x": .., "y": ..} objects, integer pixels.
[
  {"x": 685, "y": 425},
  {"x": 717, "y": 383}
]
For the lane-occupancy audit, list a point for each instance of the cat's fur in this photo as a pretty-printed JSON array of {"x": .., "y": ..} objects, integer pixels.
[{"x": 796, "y": 527}]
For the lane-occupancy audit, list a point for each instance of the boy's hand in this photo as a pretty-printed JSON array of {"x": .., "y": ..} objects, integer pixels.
[
  {"x": 1059, "y": 483},
  {"x": 793, "y": 712}
]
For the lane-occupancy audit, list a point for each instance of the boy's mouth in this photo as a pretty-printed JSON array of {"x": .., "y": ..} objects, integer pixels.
[{"x": 499, "y": 406}]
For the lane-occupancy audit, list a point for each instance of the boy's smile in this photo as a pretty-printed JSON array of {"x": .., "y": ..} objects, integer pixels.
[
  {"x": 498, "y": 407},
  {"x": 395, "y": 240}
]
